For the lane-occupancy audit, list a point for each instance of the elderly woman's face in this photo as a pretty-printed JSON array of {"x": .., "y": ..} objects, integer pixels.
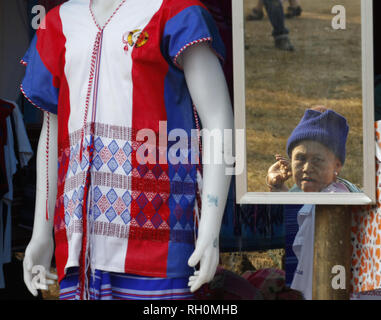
[{"x": 313, "y": 166}]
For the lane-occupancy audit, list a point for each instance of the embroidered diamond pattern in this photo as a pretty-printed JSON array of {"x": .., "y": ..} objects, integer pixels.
[
  {"x": 105, "y": 154},
  {"x": 112, "y": 196},
  {"x": 84, "y": 162},
  {"x": 178, "y": 212},
  {"x": 78, "y": 211},
  {"x": 157, "y": 202},
  {"x": 142, "y": 200},
  {"x": 135, "y": 194},
  {"x": 126, "y": 217},
  {"x": 120, "y": 157},
  {"x": 164, "y": 177},
  {"x": 149, "y": 210},
  {"x": 141, "y": 219},
  {"x": 66, "y": 201},
  {"x": 119, "y": 206},
  {"x": 150, "y": 195},
  {"x": 103, "y": 204},
  {"x": 156, "y": 220},
  {"x": 135, "y": 145},
  {"x": 126, "y": 198},
  {"x": 74, "y": 166},
  {"x": 113, "y": 165},
  {"x": 81, "y": 193},
  {"x": 142, "y": 169},
  {"x": 97, "y": 194},
  {"x": 182, "y": 172},
  {"x": 157, "y": 171},
  {"x": 76, "y": 149},
  {"x": 127, "y": 149},
  {"x": 113, "y": 147},
  {"x": 67, "y": 218},
  {"x": 189, "y": 188},
  {"x": 98, "y": 144},
  {"x": 97, "y": 162},
  {"x": 75, "y": 196},
  {"x": 127, "y": 167},
  {"x": 177, "y": 195},
  {"x": 171, "y": 203},
  {"x": 184, "y": 203},
  {"x": 96, "y": 212},
  {"x": 164, "y": 196},
  {"x": 110, "y": 214},
  {"x": 71, "y": 207}
]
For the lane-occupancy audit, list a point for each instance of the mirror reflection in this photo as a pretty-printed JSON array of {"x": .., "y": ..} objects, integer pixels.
[{"x": 303, "y": 96}]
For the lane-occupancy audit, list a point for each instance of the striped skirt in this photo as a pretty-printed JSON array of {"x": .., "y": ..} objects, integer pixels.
[{"x": 122, "y": 286}]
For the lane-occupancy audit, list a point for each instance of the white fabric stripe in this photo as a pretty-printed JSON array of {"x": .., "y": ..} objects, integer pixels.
[{"x": 114, "y": 96}]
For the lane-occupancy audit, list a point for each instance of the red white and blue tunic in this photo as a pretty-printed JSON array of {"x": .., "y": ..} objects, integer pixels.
[{"x": 106, "y": 84}]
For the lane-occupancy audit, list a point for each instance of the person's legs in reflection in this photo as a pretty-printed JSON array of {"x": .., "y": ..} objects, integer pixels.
[
  {"x": 274, "y": 9},
  {"x": 294, "y": 10}
]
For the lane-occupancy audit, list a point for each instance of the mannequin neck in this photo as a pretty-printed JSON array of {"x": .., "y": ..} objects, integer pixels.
[{"x": 103, "y": 9}]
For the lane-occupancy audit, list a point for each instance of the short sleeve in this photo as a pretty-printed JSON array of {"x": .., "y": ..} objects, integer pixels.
[
  {"x": 188, "y": 27},
  {"x": 37, "y": 85}
]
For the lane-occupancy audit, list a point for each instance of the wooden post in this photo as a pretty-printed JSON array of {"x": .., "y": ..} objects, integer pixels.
[{"x": 332, "y": 247}]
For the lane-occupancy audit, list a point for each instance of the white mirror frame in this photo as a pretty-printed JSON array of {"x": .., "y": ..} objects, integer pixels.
[{"x": 368, "y": 196}]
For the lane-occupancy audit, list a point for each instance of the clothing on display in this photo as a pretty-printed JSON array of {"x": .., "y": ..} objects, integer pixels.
[
  {"x": 366, "y": 236},
  {"x": 112, "y": 211},
  {"x": 13, "y": 133},
  {"x": 303, "y": 248},
  {"x": 5, "y": 111}
]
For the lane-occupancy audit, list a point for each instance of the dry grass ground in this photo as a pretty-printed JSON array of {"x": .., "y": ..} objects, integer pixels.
[{"x": 325, "y": 69}]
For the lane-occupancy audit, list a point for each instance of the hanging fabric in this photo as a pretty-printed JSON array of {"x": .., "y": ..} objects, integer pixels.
[{"x": 24, "y": 151}]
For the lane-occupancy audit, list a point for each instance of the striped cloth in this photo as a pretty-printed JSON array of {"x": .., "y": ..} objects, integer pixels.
[{"x": 121, "y": 286}]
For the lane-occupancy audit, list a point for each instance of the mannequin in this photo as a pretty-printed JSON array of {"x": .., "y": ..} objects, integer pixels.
[{"x": 209, "y": 93}]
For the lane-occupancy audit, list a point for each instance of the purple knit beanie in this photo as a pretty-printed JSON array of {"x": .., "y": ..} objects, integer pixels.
[{"x": 329, "y": 128}]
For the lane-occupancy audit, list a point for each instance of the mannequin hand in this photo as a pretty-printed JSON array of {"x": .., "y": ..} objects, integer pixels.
[
  {"x": 38, "y": 257},
  {"x": 207, "y": 254},
  {"x": 279, "y": 173}
]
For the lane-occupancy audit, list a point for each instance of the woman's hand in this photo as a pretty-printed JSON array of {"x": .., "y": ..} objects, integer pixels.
[{"x": 278, "y": 174}]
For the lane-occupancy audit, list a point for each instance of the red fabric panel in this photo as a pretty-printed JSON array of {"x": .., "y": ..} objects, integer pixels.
[
  {"x": 148, "y": 248},
  {"x": 51, "y": 47}
]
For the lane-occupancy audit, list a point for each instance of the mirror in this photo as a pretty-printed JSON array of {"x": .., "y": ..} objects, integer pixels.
[{"x": 327, "y": 152}]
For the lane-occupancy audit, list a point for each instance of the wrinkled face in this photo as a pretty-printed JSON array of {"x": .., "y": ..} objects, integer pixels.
[{"x": 313, "y": 166}]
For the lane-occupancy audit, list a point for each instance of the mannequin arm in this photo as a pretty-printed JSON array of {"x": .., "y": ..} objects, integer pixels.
[
  {"x": 209, "y": 92},
  {"x": 39, "y": 251}
]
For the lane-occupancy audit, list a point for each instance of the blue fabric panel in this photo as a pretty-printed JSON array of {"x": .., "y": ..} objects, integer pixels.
[
  {"x": 179, "y": 110},
  {"x": 38, "y": 81},
  {"x": 191, "y": 24}
]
